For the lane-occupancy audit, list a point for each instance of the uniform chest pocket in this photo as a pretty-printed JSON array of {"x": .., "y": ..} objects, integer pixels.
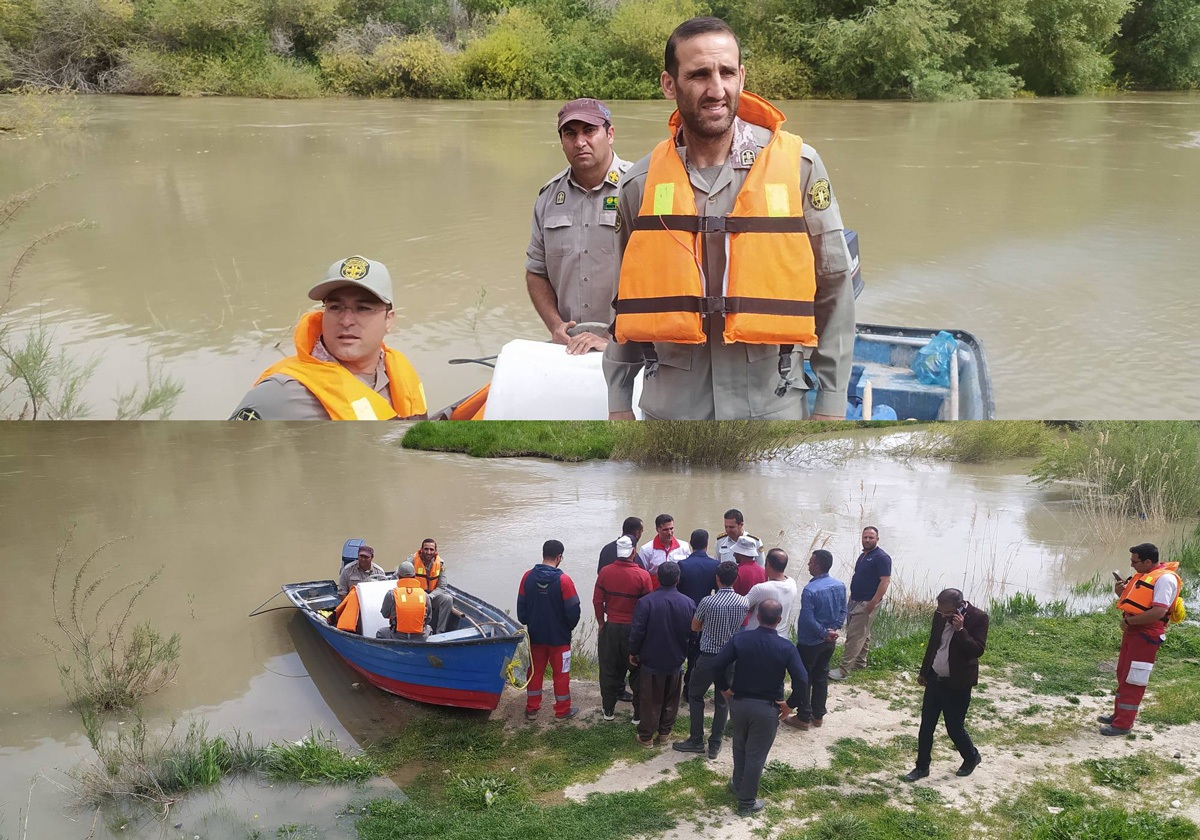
[
  {"x": 560, "y": 236},
  {"x": 608, "y": 231}
]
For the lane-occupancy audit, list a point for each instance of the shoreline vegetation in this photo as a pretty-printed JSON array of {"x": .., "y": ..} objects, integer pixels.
[{"x": 611, "y": 49}]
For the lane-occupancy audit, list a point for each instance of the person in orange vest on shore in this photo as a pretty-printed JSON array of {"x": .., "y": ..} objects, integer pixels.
[
  {"x": 1146, "y": 600},
  {"x": 342, "y": 369},
  {"x": 406, "y": 607},
  {"x": 733, "y": 258},
  {"x": 431, "y": 572}
]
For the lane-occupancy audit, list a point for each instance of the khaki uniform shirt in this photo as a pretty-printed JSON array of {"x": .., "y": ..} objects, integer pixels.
[
  {"x": 725, "y": 550},
  {"x": 352, "y": 576},
  {"x": 573, "y": 243},
  {"x": 717, "y": 381},
  {"x": 280, "y": 397}
]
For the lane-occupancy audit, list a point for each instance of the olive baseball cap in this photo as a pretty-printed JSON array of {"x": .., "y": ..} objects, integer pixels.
[
  {"x": 590, "y": 111},
  {"x": 355, "y": 271}
]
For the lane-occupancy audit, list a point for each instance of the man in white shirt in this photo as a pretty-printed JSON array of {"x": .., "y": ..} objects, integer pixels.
[
  {"x": 735, "y": 528},
  {"x": 663, "y": 547},
  {"x": 777, "y": 587}
]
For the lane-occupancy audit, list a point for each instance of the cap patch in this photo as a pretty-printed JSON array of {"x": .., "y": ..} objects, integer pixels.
[
  {"x": 560, "y": 198},
  {"x": 610, "y": 202},
  {"x": 820, "y": 195},
  {"x": 355, "y": 268}
]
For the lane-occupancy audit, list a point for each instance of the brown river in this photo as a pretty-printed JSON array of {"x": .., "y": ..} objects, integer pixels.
[
  {"x": 1062, "y": 232},
  {"x": 229, "y": 512}
]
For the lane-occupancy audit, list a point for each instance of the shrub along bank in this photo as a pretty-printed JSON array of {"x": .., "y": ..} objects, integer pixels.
[{"x": 558, "y": 49}]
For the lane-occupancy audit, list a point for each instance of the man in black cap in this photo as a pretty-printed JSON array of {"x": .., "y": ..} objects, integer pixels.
[{"x": 571, "y": 262}]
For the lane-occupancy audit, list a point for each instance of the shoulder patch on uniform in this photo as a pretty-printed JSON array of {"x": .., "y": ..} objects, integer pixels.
[
  {"x": 613, "y": 176},
  {"x": 748, "y": 157},
  {"x": 624, "y": 165},
  {"x": 610, "y": 202},
  {"x": 820, "y": 195},
  {"x": 355, "y": 268},
  {"x": 247, "y": 414},
  {"x": 560, "y": 198}
]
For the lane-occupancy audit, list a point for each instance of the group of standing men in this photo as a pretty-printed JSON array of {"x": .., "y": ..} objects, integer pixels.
[
  {"x": 676, "y": 621},
  {"x": 714, "y": 264}
]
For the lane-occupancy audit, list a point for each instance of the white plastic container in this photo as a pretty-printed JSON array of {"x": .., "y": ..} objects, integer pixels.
[{"x": 536, "y": 380}]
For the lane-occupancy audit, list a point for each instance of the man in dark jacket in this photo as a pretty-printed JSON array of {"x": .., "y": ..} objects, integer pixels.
[
  {"x": 697, "y": 579},
  {"x": 632, "y": 528},
  {"x": 548, "y": 606},
  {"x": 951, "y": 669},
  {"x": 658, "y": 644}
]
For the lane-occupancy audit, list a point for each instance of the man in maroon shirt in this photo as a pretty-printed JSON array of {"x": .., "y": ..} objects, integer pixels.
[
  {"x": 619, "y": 586},
  {"x": 745, "y": 553}
]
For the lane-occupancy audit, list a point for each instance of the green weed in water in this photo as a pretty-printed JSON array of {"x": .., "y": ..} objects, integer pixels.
[{"x": 317, "y": 759}]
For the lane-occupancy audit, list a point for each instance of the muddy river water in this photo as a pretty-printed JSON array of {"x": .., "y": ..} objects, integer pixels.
[
  {"x": 229, "y": 512},
  {"x": 1060, "y": 232}
]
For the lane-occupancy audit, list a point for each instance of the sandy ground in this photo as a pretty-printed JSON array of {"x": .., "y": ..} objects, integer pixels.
[{"x": 855, "y": 712}]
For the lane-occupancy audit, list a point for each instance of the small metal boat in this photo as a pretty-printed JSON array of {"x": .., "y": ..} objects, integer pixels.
[{"x": 465, "y": 667}]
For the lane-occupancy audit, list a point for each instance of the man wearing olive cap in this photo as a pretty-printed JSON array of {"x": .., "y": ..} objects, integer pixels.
[
  {"x": 342, "y": 370},
  {"x": 571, "y": 262}
]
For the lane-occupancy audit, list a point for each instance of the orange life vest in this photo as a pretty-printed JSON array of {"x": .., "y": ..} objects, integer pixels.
[
  {"x": 770, "y": 278},
  {"x": 344, "y": 395},
  {"x": 429, "y": 577},
  {"x": 1138, "y": 595},
  {"x": 410, "y": 606},
  {"x": 347, "y": 612}
]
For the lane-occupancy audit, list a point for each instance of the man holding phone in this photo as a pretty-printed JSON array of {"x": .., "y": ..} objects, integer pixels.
[{"x": 951, "y": 669}]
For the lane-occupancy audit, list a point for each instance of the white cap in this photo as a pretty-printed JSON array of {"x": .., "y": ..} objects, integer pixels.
[
  {"x": 355, "y": 271},
  {"x": 746, "y": 546},
  {"x": 624, "y": 547}
]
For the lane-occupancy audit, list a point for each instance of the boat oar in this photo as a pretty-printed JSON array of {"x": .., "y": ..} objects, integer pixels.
[{"x": 486, "y": 361}]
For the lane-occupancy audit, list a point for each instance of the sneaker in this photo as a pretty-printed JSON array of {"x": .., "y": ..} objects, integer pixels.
[
  {"x": 796, "y": 723},
  {"x": 636, "y": 721},
  {"x": 1105, "y": 718},
  {"x": 1113, "y": 730},
  {"x": 818, "y": 721},
  {"x": 531, "y": 715},
  {"x": 838, "y": 674},
  {"x": 570, "y": 713},
  {"x": 747, "y": 810},
  {"x": 608, "y": 715},
  {"x": 648, "y": 743},
  {"x": 968, "y": 766},
  {"x": 714, "y": 750},
  {"x": 916, "y": 773},
  {"x": 625, "y": 697},
  {"x": 688, "y": 746}
]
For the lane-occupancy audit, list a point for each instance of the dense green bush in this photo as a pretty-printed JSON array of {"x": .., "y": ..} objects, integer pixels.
[
  {"x": 1159, "y": 45},
  {"x": 1066, "y": 50},
  {"x": 417, "y": 66},
  {"x": 510, "y": 61}
]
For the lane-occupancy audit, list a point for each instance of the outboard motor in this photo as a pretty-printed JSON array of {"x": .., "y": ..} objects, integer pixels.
[{"x": 350, "y": 551}]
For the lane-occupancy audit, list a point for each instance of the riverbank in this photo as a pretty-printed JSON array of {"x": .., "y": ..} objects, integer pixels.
[{"x": 1045, "y": 773}]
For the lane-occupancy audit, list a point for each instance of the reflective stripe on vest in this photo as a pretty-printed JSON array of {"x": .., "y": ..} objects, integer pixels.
[
  {"x": 1138, "y": 595},
  {"x": 429, "y": 578},
  {"x": 341, "y": 393},
  {"x": 410, "y": 606},
  {"x": 770, "y": 279}
]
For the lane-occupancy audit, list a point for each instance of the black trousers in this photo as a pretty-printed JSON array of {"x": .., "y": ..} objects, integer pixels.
[
  {"x": 613, "y": 653},
  {"x": 693, "y": 653},
  {"x": 815, "y": 693},
  {"x": 951, "y": 704},
  {"x": 755, "y": 723}
]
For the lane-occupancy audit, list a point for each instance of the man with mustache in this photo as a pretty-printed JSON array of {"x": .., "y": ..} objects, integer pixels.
[
  {"x": 342, "y": 370},
  {"x": 733, "y": 256}
]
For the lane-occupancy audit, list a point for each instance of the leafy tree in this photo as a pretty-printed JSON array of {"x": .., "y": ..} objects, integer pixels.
[
  {"x": 1065, "y": 50},
  {"x": 1159, "y": 45}
]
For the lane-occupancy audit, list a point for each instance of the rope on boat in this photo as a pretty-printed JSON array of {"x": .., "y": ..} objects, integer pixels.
[{"x": 510, "y": 672}]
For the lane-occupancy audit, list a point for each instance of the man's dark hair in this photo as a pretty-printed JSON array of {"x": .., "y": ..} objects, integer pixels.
[
  {"x": 770, "y": 613},
  {"x": 630, "y": 526},
  {"x": 429, "y": 540},
  {"x": 551, "y": 548},
  {"x": 777, "y": 559},
  {"x": 950, "y": 598},
  {"x": 662, "y": 519},
  {"x": 735, "y": 515},
  {"x": 824, "y": 560},
  {"x": 1146, "y": 551},
  {"x": 699, "y": 539},
  {"x": 872, "y": 528},
  {"x": 727, "y": 572},
  {"x": 668, "y": 573},
  {"x": 693, "y": 28}
]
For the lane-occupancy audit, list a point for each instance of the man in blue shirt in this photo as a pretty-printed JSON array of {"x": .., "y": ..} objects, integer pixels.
[
  {"x": 872, "y": 575},
  {"x": 756, "y": 702},
  {"x": 658, "y": 643},
  {"x": 822, "y": 614},
  {"x": 697, "y": 578}
]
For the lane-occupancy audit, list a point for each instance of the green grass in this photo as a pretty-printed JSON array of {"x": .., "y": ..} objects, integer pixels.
[
  {"x": 854, "y": 757},
  {"x": 979, "y": 442},
  {"x": 871, "y": 817},
  {"x": 1028, "y": 817},
  {"x": 562, "y": 441},
  {"x": 316, "y": 759}
]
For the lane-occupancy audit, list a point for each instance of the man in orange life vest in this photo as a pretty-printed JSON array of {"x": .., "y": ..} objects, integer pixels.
[
  {"x": 733, "y": 256},
  {"x": 406, "y": 607},
  {"x": 1144, "y": 600},
  {"x": 342, "y": 370},
  {"x": 430, "y": 570}
]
